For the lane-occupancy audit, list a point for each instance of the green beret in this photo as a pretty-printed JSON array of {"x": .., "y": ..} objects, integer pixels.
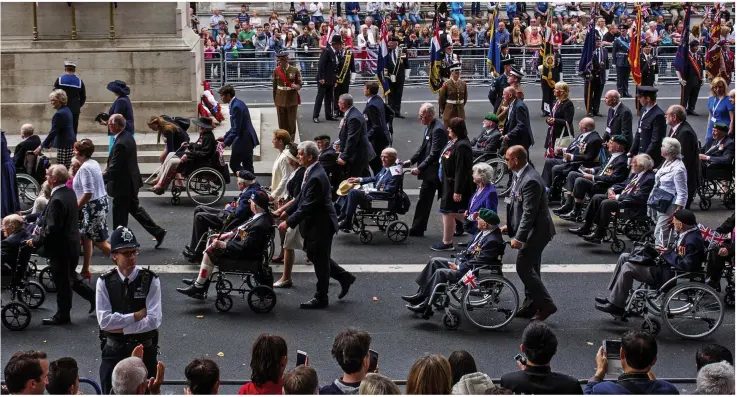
[
  {"x": 721, "y": 127},
  {"x": 492, "y": 117},
  {"x": 621, "y": 139},
  {"x": 489, "y": 216}
]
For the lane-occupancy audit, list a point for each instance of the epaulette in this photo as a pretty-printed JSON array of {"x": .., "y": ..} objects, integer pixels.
[
  {"x": 147, "y": 270},
  {"x": 109, "y": 272}
]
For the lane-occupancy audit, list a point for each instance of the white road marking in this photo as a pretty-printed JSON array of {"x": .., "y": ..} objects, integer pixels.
[
  {"x": 234, "y": 193},
  {"x": 368, "y": 268}
]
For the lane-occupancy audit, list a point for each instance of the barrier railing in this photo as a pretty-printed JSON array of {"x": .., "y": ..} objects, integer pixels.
[{"x": 248, "y": 68}]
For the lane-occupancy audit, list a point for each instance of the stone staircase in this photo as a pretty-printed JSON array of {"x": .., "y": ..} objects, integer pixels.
[{"x": 264, "y": 121}]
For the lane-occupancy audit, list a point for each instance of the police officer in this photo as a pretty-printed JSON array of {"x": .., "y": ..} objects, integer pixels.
[
  {"x": 453, "y": 96},
  {"x": 345, "y": 74},
  {"x": 286, "y": 82},
  {"x": 691, "y": 79},
  {"x": 620, "y": 49},
  {"x": 500, "y": 83},
  {"x": 396, "y": 66},
  {"x": 128, "y": 308},
  {"x": 74, "y": 87}
]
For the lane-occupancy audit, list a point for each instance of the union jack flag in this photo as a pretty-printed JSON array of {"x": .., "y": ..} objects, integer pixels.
[
  {"x": 712, "y": 237},
  {"x": 470, "y": 279}
]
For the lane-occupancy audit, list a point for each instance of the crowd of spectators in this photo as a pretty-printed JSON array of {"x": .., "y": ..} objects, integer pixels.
[{"x": 31, "y": 372}]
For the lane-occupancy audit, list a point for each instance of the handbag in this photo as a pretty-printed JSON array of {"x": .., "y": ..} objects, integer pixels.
[
  {"x": 565, "y": 139},
  {"x": 660, "y": 200},
  {"x": 643, "y": 254}
]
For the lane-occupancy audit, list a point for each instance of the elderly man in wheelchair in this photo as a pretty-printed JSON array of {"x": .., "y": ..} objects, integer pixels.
[
  {"x": 14, "y": 234},
  {"x": 485, "y": 248},
  {"x": 687, "y": 256},
  {"x": 386, "y": 183},
  {"x": 246, "y": 245},
  {"x": 718, "y": 158},
  {"x": 487, "y": 144}
]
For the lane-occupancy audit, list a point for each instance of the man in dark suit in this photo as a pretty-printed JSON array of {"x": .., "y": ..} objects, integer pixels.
[
  {"x": 313, "y": 211},
  {"x": 29, "y": 143},
  {"x": 355, "y": 149},
  {"x": 531, "y": 229},
  {"x": 241, "y": 136},
  {"x": 329, "y": 161},
  {"x": 651, "y": 127},
  {"x": 517, "y": 127},
  {"x": 619, "y": 119},
  {"x": 594, "y": 180},
  {"x": 620, "y": 53},
  {"x": 583, "y": 151},
  {"x": 74, "y": 87},
  {"x": 396, "y": 64},
  {"x": 633, "y": 192},
  {"x": 681, "y": 130},
  {"x": 59, "y": 238},
  {"x": 719, "y": 156},
  {"x": 500, "y": 83},
  {"x": 427, "y": 160},
  {"x": 124, "y": 179},
  {"x": 326, "y": 78},
  {"x": 691, "y": 78},
  {"x": 376, "y": 124},
  {"x": 386, "y": 183},
  {"x": 594, "y": 83},
  {"x": 484, "y": 248}
]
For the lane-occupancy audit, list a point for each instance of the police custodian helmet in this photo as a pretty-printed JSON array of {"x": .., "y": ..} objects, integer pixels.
[{"x": 122, "y": 238}]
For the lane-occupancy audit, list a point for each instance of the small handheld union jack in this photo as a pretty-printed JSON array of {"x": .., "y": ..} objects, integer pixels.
[{"x": 470, "y": 279}]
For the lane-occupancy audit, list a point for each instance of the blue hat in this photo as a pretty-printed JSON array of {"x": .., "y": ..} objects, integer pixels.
[
  {"x": 119, "y": 87},
  {"x": 121, "y": 238}
]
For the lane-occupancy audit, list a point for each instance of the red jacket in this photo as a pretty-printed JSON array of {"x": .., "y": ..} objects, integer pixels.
[{"x": 250, "y": 388}]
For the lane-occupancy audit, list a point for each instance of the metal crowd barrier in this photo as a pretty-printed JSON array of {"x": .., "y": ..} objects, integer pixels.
[{"x": 249, "y": 69}]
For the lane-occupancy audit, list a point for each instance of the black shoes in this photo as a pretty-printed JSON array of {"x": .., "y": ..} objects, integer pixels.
[
  {"x": 593, "y": 238},
  {"x": 526, "y": 312},
  {"x": 414, "y": 299},
  {"x": 601, "y": 300},
  {"x": 193, "y": 291},
  {"x": 54, "y": 320},
  {"x": 571, "y": 216},
  {"x": 331, "y": 119},
  {"x": 314, "y": 303},
  {"x": 160, "y": 239},
  {"x": 563, "y": 210},
  {"x": 543, "y": 314},
  {"x": 416, "y": 233},
  {"x": 315, "y": 120},
  {"x": 188, "y": 281},
  {"x": 580, "y": 231},
  {"x": 610, "y": 308},
  {"x": 420, "y": 308},
  {"x": 398, "y": 115},
  {"x": 692, "y": 113},
  {"x": 346, "y": 285}
]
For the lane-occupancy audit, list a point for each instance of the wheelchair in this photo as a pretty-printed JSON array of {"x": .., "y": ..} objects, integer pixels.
[
  {"x": 685, "y": 304},
  {"x": 25, "y": 294},
  {"x": 229, "y": 224},
  {"x": 488, "y": 299},
  {"x": 632, "y": 222},
  {"x": 501, "y": 171},
  {"x": 717, "y": 183},
  {"x": 383, "y": 213},
  {"x": 28, "y": 180}
]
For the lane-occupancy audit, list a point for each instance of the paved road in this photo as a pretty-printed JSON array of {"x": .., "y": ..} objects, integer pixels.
[{"x": 397, "y": 334}]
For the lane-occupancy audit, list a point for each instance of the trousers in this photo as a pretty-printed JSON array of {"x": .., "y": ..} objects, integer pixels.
[
  {"x": 355, "y": 198},
  {"x": 428, "y": 188},
  {"x": 325, "y": 267},
  {"x": 204, "y": 218},
  {"x": 623, "y": 80},
  {"x": 625, "y": 274},
  {"x": 600, "y": 210},
  {"x": 551, "y": 170},
  {"x": 113, "y": 354},
  {"x": 690, "y": 95},
  {"x": 594, "y": 100},
  {"x": 125, "y": 205},
  {"x": 324, "y": 92},
  {"x": 67, "y": 281},
  {"x": 435, "y": 272},
  {"x": 528, "y": 263},
  {"x": 241, "y": 161}
]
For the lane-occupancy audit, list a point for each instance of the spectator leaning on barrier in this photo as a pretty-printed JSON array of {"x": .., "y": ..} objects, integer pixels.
[
  {"x": 430, "y": 374},
  {"x": 27, "y": 372},
  {"x": 638, "y": 355},
  {"x": 203, "y": 377},
  {"x": 130, "y": 376},
  {"x": 351, "y": 351},
  {"x": 63, "y": 377},
  {"x": 268, "y": 361},
  {"x": 301, "y": 381},
  {"x": 539, "y": 345},
  {"x": 379, "y": 385},
  {"x": 716, "y": 379},
  {"x": 461, "y": 363}
]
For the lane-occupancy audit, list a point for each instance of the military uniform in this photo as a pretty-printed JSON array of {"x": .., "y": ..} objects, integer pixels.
[
  {"x": 446, "y": 63},
  {"x": 345, "y": 71},
  {"x": 73, "y": 86},
  {"x": 452, "y": 99},
  {"x": 694, "y": 65},
  {"x": 286, "y": 98},
  {"x": 119, "y": 296}
]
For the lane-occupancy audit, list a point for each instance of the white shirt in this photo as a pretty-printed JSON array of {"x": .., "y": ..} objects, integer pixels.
[
  {"x": 89, "y": 180},
  {"x": 109, "y": 320},
  {"x": 674, "y": 128},
  {"x": 280, "y": 172},
  {"x": 316, "y": 9}
]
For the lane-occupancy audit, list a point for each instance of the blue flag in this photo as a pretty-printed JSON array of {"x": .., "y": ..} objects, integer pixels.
[
  {"x": 682, "y": 54},
  {"x": 585, "y": 64},
  {"x": 493, "y": 58},
  {"x": 434, "y": 81}
]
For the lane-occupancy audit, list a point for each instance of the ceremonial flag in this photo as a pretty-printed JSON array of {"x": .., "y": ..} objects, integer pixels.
[
  {"x": 470, "y": 279},
  {"x": 331, "y": 26},
  {"x": 585, "y": 64},
  {"x": 636, "y": 47},
  {"x": 381, "y": 64},
  {"x": 548, "y": 59},
  {"x": 682, "y": 55},
  {"x": 493, "y": 58},
  {"x": 435, "y": 82},
  {"x": 712, "y": 237},
  {"x": 714, "y": 61}
]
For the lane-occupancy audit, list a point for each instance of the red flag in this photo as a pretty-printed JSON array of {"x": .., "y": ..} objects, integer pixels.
[
  {"x": 714, "y": 60},
  {"x": 636, "y": 47}
]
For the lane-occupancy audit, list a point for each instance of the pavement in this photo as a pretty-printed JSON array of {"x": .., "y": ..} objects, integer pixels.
[{"x": 575, "y": 272}]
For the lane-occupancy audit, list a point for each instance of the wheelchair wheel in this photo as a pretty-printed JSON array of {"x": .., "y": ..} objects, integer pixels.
[
  {"x": 44, "y": 277},
  {"x": 451, "y": 321},
  {"x": 634, "y": 229},
  {"x": 261, "y": 299},
  {"x": 692, "y": 310},
  {"x": 500, "y": 173},
  {"x": 205, "y": 186},
  {"x": 710, "y": 188},
  {"x": 32, "y": 268},
  {"x": 223, "y": 303},
  {"x": 33, "y": 295},
  {"x": 607, "y": 235},
  {"x": 728, "y": 199},
  {"x": 223, "y": 286},
  {"x": 15, "y": 316},
  {"x": 397, "y": 232},
  {"x": 365, "y": 236},
  {"x": 618, "y": 246},
  {"x": 357, "y": 225},
  {"x": 492, "y": 304},
  {"x": 652, "y": 326},
  {"x": 28, "y": 191},
  {"x": 705, "y": 204},
  {"x": 647, "y": 238}
]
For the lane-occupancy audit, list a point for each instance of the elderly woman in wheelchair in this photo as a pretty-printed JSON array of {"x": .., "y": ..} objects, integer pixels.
[
  {"x": 14, "y": 234},
  {"x": 246, "y": 245},
  {"x": 485, "y": 248}
]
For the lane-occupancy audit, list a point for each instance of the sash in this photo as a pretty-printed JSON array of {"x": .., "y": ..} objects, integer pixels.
[
  {"x": 695, "y": 64},
  {"x": 287, "y": 82},
  {"x": 346, "y": 63}
]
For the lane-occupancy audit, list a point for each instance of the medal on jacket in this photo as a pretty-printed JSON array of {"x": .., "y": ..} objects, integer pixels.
[{"x": 681, "y": 251}]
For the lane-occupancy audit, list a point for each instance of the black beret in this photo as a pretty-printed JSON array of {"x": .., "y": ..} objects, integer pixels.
[{"x": 685, "y": 216}]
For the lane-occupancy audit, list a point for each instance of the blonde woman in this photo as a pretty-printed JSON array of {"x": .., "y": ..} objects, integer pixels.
[
  {"x": 61, "y": 136},
  {"x": 721, "y": 108},
  {"x": 430, "y": 374},
  {"x": 378, "y": 385},
  {"x": 561, "y": 118}
]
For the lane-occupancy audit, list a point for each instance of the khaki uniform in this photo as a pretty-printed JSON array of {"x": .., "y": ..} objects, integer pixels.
[
  {"x": 452, "y": 99},
  {"x": 286, "y": 99}
]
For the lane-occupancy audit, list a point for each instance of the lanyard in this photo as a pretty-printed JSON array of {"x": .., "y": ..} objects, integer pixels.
[
  {"x": 714, "y": 109},
  {"x": 643, "y": 116}
]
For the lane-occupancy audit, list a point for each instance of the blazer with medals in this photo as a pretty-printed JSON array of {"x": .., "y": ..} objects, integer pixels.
[
  {"x": 613, "y": 172},
  {"x": 487, "y": 141},
  {"x": 620, "y": 123},
  {"x": 528, "y": 216},
  {"x": 721, "y": 153},
  {"x": 648, "y": 68},
  {"x": 386, "y": 183},
  {"x": 635, "y": 189},
  {"x": 601, "y": 56},
  {"x": 355, "y": 147},
  {"x": 123, "y": 175},
  {"x": 650, "y": 133},
  {"x": 687, "y": 256},
  {"x": 250, "y": 240},
  {"x": 60, "y": 233},
  {"x": 488, "y": 250},
  {"x": 313, "y": 210},
  {"x": 396, "y": 67},
  {"x": 586, "y": 150},
  {"x": 427, "y": 156}
]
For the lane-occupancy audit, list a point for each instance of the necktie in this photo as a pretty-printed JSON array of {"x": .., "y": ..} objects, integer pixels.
[
  {"x": 672, "y": 132},
  {"x": 630, "y": 185},
  {"x": 515, "y": 178},
  {"x": 611, "y": 115},
  {"x": 426, "y": 130}
]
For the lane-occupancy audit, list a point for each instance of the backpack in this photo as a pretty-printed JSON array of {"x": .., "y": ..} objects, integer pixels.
[{"x": 402, "y": 203}]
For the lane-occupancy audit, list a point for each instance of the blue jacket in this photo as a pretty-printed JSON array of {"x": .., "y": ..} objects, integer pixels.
[
  {"x": 486, "y": 198},
  {"x": 243, "y": 209},
  {"x": 350, "y": 6},
  {"x": 241, "y": 136},
  {"x": 456, "y": 7},
  {"x": 385, "y": 181},
  {"x": 640, "y": 386},
  {"x": 61, "y": 135},
  {"x": 123, "y": 106},
  {"x": 689, "y": 255}
]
